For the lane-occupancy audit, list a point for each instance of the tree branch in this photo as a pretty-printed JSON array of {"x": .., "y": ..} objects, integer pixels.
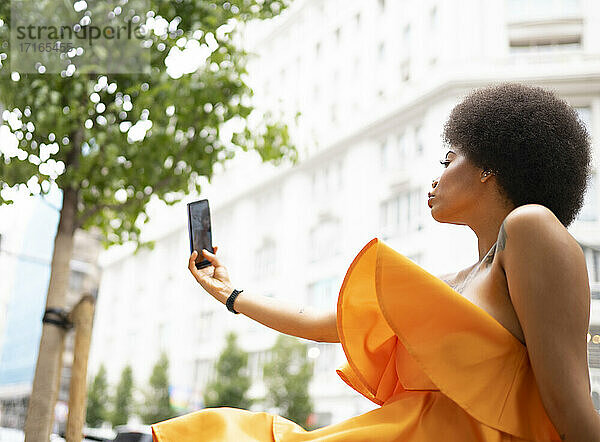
[
  {"x": 160, "y": 185},
  {"x": 93, "y": 210}
]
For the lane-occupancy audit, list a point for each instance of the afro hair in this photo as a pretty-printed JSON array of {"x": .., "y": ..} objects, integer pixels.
[{"x": 533, "y": 141}]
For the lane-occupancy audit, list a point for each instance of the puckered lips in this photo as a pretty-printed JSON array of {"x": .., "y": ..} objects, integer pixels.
[{"x": 430, "y": 196}]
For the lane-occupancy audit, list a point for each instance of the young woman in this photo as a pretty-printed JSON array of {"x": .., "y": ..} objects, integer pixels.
[{"x": 494, "y": 352}]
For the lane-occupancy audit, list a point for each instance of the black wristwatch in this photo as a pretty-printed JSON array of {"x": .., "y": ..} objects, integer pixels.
[{"x": 231, "y": 300}]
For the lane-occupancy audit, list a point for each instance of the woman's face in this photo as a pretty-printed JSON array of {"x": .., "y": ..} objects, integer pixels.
[{"x": 456, "y": 193}]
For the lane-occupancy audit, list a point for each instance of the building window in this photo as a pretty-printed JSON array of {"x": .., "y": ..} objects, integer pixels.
[
  {"x": 267, "y": 204},
  {"x": 594, "y": 347},
  {"x": 335, "y": 86},
  {"x": 532, "y": 10},
  {"x": 402, "y": 213},
  {"x": 356, "y": 67},
  {"x": 596, "y": 400},
  {"x": 550, "y": 44},
  {"x": 419, "y": 141},
  {"x": 324, "y": 240},
  {"x": 585, "y": 115},
  {"x": 388, "y": 214},
  {"x": 381, "y": 51},
  {"x": 163, "y": 336},
  {"x": 340, "y": 174},
  {"x": 338, "y": 35},
  {"x": 595, "y": 291},
  {"x": 205, "y": 326},
  {"x": 544, "y": 25},
  {"x": 592, "y": 259},
  {"x": 327, "y": 179},
  {"x": 402, "y": 147},
  {"x": 433, "y": 19},
  {"x": 318, "y": 50},
  {"x": 405, "y": 70},
  {"x": 596, "y": 265},
  {"x": 357, "y": 20},
  {"x": 265, "y": 258},
  {"x": 406, "y": 38},
  {"x": 433, "y": 32},
  {"x": 322, "y": 294},
  {"x": 382, "y": 5},
  {"x": 387, "y": 155},
  {"x": 589, "y": 211}
]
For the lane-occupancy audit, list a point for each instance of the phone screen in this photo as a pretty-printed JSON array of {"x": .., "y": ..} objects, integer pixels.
[{"x": 200, "y": 230}]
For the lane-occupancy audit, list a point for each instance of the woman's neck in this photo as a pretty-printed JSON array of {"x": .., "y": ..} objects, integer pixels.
[{"x": 487, "y": 228}]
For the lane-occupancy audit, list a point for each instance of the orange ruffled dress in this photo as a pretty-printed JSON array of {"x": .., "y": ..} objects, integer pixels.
[{"x": 441, "y": 368}]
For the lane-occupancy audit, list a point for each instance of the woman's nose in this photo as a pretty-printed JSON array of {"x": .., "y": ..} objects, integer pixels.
[{"x": 434, "y": 183}]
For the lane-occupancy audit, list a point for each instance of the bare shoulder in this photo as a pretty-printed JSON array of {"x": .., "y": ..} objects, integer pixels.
[
  {"x": 548, "y": 285},
  {"x": 535, "y": 227}
]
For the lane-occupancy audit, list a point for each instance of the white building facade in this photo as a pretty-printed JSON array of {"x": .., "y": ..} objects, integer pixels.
[{"x": 374, "y": 82}]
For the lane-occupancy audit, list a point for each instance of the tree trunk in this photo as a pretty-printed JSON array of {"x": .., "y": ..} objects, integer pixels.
[
  {"x": 40, "y": 414},
  {"x": 82, "y": 318}
]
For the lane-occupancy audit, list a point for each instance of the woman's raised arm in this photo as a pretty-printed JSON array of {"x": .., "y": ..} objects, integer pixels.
[{"x": 283, "y": 316}]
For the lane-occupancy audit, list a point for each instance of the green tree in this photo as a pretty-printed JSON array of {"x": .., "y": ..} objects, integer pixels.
[
  {"x": 286, "y": 377},
  {"x": 230, "y": 387},
  {"x": 157, "y": 406},
  {"x": 96, "y": 411},
  {"x": 110, "y": 142},
  {"x": 123, "y": 400}
]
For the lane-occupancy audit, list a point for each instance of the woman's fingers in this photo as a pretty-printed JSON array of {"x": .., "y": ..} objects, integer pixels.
[
  {"x": 192, "y": 261},
  {"x": 207, "y": 275},
  {"x": 192, "y": 265},
  {"x": 211, "y": 258}
]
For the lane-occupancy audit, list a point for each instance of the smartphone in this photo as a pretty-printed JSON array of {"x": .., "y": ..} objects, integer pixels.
[{"x": 200, "y": 230}]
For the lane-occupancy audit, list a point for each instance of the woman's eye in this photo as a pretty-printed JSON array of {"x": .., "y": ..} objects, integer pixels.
[{"x": 445, "y": 162}]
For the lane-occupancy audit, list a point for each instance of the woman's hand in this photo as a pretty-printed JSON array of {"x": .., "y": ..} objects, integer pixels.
[{"x": 214, "y": 278}]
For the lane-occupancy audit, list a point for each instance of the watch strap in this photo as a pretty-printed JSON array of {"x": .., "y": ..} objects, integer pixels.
[{"x": 231, "y": 300}]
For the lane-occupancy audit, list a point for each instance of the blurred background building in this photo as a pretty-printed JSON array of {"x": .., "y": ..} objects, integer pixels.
[
  {"x": 27, "y": 231},
  {"x": 373, "y": 82}
]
